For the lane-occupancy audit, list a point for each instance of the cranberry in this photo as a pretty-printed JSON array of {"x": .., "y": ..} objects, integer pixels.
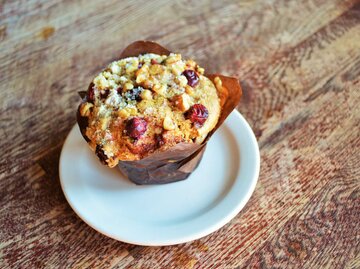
[
  {"x": 136, "y": 127},
  {"x": 197, "y": 114},
  {"x": 153, "y": 61},
  {"x": 101, "y": 154},
  {"x": 159, "y": 140},
  {"x": 90, "y": 93},
  {"x": 104, "y": 94},
  {"x": 119, "y": 90},
  {"x": 192, "y": 77}
]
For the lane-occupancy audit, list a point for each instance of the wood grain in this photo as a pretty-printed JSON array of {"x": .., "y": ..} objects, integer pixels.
[{"x": 299, "y": 65}]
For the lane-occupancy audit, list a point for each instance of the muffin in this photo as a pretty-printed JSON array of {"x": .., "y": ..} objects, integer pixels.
[
  {"x": 151, "y": 113},
  {"x": 141, "y": 105}
]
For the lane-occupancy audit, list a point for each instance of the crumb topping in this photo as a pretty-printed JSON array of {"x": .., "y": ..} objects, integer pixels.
[{"x": 138, "y": 105}]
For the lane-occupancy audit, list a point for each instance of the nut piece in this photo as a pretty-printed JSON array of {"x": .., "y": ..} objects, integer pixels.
[
  {"x": 115, "y": 68},
  {"x": 168, "y": 123},
  {"x": 104, "y": 122},
  {"x": 159, "y": 89},
  {"x": 156, "y": 69},
  {"x": 142, "y": 74},
  {"x": 132, "y": 66},
  {"x": 190, "y": 63},
  {"x": 124, "y": 113},
  {"x": 101, "y": 82},
  {"x": 85, "y": 109},
  {"x": 177, "y": 69},
  {"x": 128, "y": 111},
  {"x": 173, "y": 58},
  {"x": 122, "y": 79},
  {"x": 108, "y": 148},
  {"x": 181, "y": 80},
  {"x": 200, "y": 70},
  {"x": 182, "y": 102},
  {"x": 128, "y": 86},
  {"x": 106, "y": 74},
  {"x": 146, "y": 95},
  {"x": 189, "y": 90}
]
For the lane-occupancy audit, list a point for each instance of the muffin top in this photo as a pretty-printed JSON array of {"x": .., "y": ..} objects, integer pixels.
[{"x": 141, "y": 105}]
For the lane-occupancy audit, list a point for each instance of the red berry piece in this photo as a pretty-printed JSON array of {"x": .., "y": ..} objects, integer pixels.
[
  {"x": 153, "y": 61},
  {"x": 159, "y": 140},
  {"x": 104, "y": 94},
  {"x": 136, "y": 127},
  {"x": 197, "y": 114},
  {"x": 101, "y": 154},
  {"x": 191, "y": 77},
  {"x": 90, "y": 93},
  {"x": 119, "y": 90}
]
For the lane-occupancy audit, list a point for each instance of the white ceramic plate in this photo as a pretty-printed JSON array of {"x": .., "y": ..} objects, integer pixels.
[{"x": 168, "y": 214}]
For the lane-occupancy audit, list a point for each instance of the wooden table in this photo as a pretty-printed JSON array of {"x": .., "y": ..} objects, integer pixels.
[{"x": 299, "y": 65}]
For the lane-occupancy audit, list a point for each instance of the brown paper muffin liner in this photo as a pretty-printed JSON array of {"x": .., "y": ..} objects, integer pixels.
[{"x": 178, "y": 162}]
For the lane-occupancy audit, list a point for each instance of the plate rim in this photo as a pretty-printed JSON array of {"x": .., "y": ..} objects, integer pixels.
[{"x": 190, "y": 237}]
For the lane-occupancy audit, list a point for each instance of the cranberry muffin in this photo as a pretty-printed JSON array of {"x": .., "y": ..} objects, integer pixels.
[{"x": 141, "y": 105}]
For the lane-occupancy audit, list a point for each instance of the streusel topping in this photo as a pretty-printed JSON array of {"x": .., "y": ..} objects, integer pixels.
[{"x": 139, "y": 105}]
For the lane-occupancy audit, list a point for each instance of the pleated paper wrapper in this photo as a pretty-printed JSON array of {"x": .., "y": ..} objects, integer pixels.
[{"x": 178, "y": 162}]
